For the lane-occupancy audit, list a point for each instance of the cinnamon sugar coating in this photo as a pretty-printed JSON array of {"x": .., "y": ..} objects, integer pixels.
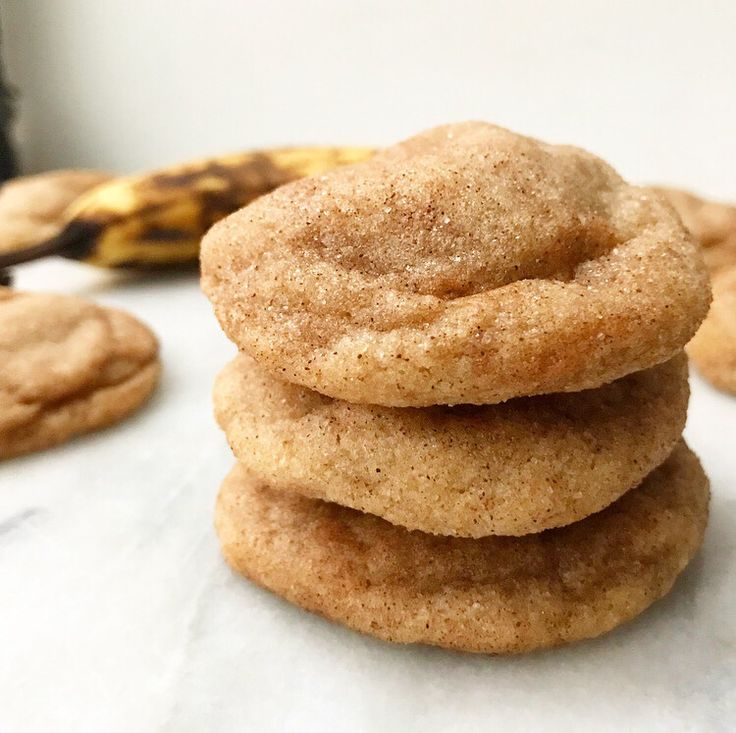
[
  {"x": 493, "y": 595},
  {"x": 468, "y": 264},
  {"x": 520, "y": 467},
  {"x": 713, "y": 224}
]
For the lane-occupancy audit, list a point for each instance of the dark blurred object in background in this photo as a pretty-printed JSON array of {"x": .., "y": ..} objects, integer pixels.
[{"x": 7, "y": 157}]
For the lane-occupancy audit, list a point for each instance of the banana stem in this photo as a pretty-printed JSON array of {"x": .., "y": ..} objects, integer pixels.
[{"x": 58, "y": 245}]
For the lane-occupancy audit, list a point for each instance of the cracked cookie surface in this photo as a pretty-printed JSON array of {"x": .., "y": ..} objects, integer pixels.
[
  {"x": 468, "y": 264},
  {"x": 493, "y": 595},
  {"x": 523, "y": 466},
  {"x": 69, "y": 367}
]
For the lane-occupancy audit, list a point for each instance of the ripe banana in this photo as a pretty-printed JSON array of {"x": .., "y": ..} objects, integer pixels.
[{"x": 157, "y": 219}]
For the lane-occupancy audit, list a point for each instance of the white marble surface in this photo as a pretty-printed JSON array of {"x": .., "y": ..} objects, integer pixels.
[{"x": 117, "y": 613}]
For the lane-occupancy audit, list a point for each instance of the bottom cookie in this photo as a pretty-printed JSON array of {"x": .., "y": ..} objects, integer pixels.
[{"x": 494, "y": 594}]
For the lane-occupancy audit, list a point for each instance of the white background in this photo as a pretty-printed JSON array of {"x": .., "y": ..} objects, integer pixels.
[
  {"x": 647, "y": 84},
  {"x": 116, "y": 612}
]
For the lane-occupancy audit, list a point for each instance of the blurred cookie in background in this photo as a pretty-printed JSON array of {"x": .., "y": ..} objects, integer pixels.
[
  {"x": 69, "y": 367},
  {"x": 713, "y": 224},
  {"x": 713, "y": 348}
]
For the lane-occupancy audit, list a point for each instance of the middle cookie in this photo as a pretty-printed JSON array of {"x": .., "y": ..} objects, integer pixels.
[{"x": 514, "y": 468}]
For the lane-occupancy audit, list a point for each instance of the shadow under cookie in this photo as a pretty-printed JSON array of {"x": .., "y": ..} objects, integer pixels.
[
  {"x": 514, "y": 468},
  {"x": 492, "y": 595}
]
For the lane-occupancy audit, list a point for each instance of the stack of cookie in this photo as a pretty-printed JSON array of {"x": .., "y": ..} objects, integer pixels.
[{"x": 459, "y": 401}]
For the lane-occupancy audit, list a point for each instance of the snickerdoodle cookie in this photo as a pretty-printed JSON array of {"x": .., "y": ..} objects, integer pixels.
[
  {"x": 68, "y": 367},
  {"x": 519, "y": 467},
  {"x": 496, "y": 594},
  {"x": 468, "y": 264},
  {"x": 713, "y": 348},
  {"x": 713, "y": 225},
  {"x": 32, "y": 207}
]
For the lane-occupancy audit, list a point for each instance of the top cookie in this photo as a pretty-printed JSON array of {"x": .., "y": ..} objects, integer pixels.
[
  {"x": 465, "y": 265},
  {"x": 712, "y": 224}
]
